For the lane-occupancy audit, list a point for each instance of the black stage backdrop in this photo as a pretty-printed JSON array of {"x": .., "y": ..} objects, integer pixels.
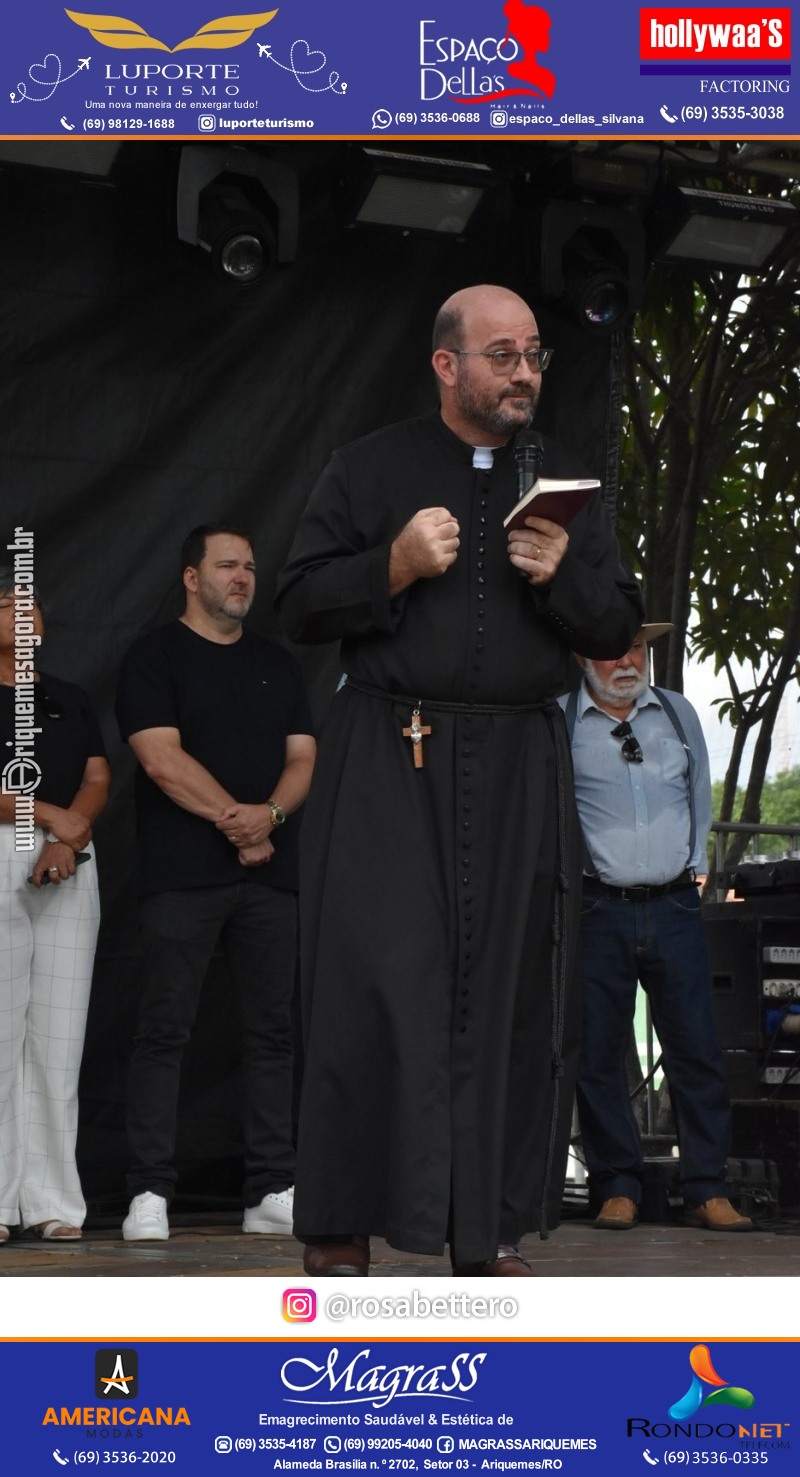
[{"x": 141, "y": 396}]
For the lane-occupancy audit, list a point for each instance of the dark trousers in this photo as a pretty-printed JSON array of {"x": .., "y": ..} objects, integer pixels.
[
  {"x": 256, "y": 927},
  {"x": 661, "y": 943}
]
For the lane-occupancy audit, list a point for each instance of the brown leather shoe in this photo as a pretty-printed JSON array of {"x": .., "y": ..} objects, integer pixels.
[
  {"x": 507, "y": 1263},
  {"x": 617, "y": 1214},
  {"x": 348, "y": 1258},
  {"x": 717, "y": 1215}
]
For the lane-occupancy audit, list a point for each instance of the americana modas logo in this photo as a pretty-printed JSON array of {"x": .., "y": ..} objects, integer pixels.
[
  {"x": 116, "y": 1374},
  {"x": 127, "y": 35}
]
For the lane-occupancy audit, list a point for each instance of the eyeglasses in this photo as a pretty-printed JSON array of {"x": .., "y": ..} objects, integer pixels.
[
  {"x": 52, "y": 708},
  {"x": 506, "y": 361},
  {"x": 631, "y": 748}
]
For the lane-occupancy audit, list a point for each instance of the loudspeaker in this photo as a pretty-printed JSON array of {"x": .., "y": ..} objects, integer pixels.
[
  {"x": 772, "y": 1129},
  {"x": 735, "y": 978},
  {"x": 751, "y": 1185},
  {"x": 755, "y": 977}
]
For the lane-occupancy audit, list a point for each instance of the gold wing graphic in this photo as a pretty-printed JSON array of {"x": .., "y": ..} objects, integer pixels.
[
  {"x": 237, "y": 28},
  {"x": 113, "y": 30},
  {"x": 125, "y": 35}
]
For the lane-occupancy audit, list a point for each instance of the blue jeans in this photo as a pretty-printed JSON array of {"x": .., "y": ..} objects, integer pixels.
[
  {"x": 661, "y": 943},
  {"x": 256, "y": 927}
]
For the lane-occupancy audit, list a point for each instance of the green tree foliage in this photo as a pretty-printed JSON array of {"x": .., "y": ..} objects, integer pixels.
[
  {"x": 780, "y": 806},
  {"x": 710, "y": 506}
]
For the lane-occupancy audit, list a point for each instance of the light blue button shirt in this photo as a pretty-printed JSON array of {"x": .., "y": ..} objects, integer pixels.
[{"x": 635, "y": 817}]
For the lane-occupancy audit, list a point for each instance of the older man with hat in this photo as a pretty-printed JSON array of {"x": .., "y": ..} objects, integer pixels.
[{"x": 643, "y": 791}]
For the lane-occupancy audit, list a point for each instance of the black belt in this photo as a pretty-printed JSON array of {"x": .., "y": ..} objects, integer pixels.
[
  {"x": 640, "y": 894},
  {"x": 435, "y": 705}
]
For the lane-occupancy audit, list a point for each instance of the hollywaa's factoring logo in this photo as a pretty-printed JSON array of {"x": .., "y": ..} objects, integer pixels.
[
  {"x": 527, "y": 35},
  {"x": 217, "y": 35},
  {"x": 717, "y": 33}
]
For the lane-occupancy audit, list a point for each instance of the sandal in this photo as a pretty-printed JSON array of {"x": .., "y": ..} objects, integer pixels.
[{"x": 56, "y": 1231}]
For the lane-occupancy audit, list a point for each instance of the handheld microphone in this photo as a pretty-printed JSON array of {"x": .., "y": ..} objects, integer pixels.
[{"x": 528, "y": 456}]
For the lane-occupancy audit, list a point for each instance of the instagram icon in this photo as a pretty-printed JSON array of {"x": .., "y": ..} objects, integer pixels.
[{"x": 299, "y": 1305}]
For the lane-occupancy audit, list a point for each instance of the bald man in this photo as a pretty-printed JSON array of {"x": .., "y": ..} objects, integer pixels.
[{"x": 437, "y": 917}]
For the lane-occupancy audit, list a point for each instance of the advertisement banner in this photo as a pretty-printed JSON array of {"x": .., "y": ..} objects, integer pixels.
[
  {"x": 385, "y": 1407},
  {"x": 452, "y": 68}
]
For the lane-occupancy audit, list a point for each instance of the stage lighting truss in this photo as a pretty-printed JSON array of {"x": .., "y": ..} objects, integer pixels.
[
  {"x": 709, "y": 228},
  {"x": 418, "y": 194},
  {"x": 238, "y": 207},
  {"x": 592, "y": 262}
]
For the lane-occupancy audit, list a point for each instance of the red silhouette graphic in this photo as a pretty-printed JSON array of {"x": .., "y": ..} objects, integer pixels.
[{"x": 530, "y": 27}]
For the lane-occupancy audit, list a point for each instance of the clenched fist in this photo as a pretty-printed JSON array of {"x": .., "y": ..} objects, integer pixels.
[{"x": 426, "y": 547}]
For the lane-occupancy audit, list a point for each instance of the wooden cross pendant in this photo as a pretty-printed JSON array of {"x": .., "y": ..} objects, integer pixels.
[{"x": 416, "y": 732}]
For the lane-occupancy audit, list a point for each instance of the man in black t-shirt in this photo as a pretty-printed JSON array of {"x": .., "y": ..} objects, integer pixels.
[{"x": 219, "y": 722}]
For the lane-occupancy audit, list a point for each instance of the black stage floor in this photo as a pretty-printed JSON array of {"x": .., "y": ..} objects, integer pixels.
[{"x": 213, "y": 1245}]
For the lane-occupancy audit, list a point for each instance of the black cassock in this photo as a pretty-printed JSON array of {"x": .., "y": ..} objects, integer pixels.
[{"x": 438, "y": 903}]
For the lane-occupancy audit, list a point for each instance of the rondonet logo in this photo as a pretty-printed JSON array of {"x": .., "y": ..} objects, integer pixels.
[
  {"x": 724, "y": 34},
  {"x": 707, "y": 1388},
  {"x": 127, "y": 35}
]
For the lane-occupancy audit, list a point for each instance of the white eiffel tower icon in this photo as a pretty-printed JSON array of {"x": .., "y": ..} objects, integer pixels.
[{"x": 117, "y": 1379}]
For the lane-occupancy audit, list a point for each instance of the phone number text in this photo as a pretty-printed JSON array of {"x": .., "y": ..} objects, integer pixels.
[
  {"x": 437, "y": 117},
  {"x": 695, "y": 1458},
  {"x": 129, "y": 125}
]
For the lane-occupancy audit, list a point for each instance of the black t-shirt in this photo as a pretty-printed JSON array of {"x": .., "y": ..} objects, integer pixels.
[
  {"x": 234, "y": 706},
  {"x": 70, "y": 735}
]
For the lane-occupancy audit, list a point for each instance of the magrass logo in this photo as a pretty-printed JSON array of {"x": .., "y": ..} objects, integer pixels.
[
  {"x": 704, "y": 1375},
  {"x": 127, "y": 35},
  {"x": 116, "y": 1374}
]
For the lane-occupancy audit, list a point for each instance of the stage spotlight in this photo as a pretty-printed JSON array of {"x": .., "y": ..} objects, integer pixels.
[
  {"x": 92, "y": 158},
  {"x": 594, "y": 285},
  {"x": 592, "y": 261},
  {"x": 239, "y": 240},
  {"x": 418, "y": 193},
  {"x": 708, "y": 228},
  {"x": 239, "y": 208}
]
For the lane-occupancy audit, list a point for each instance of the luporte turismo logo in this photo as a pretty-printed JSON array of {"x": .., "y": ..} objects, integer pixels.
[{"x": 127, "y": 35}]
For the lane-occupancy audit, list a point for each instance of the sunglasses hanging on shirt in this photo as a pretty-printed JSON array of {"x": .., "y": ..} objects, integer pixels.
[
  {"x": 49, "y": 705},
  {"x": 631, "y": 748}
]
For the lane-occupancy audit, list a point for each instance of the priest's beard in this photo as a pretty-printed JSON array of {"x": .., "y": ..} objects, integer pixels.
[{"x": 495, "y": 412}]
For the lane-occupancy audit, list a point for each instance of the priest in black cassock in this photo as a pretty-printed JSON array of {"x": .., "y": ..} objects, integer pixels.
[{"x": 441, "y": 856}]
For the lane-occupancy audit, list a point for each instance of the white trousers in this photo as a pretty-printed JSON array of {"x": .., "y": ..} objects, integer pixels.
[{"x": 47, "y": 944}]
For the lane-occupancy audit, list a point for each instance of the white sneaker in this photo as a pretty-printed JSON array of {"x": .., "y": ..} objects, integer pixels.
[
  {"x": 146, "y": 1219},
  {"x": 275, "y": 1213}
]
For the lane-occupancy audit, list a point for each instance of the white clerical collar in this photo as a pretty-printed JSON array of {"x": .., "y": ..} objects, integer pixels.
[{"x": 482, "y": 458}]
